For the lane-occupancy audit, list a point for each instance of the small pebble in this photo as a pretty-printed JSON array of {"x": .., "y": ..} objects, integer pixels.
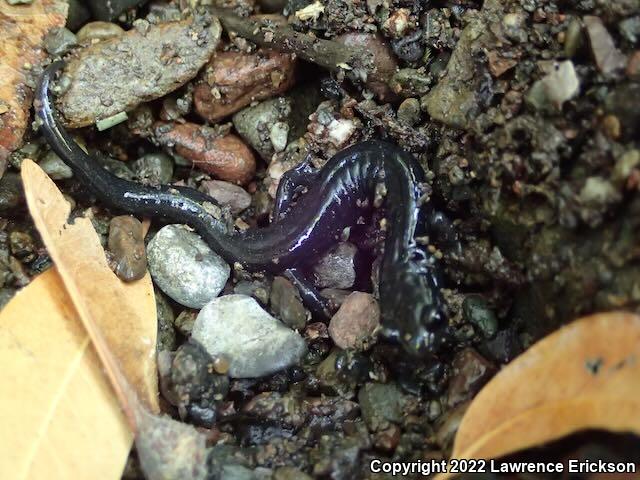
[
  {"x": 574, "y": 38},
  {"x": 221, "y": 365},
  {"x": 337, "y": 268},
  {"x": 260, "y": 290},
  {"x": 381, "y": 405},
  {"x": 225, "y": 156},
  {"x": 227, "y": 195},
  {"x": 59, "y": 41},
  {"x": 153, "y": 168},
  {"x": 470, "y": 371},
  {"x": 260, "y": 124},
  {"x": 633, "y": 67},
  {"x": 607, "y": 57},
  {"x": 356, "y": 321},
  {"x": 611, "y": 126},
  {"x": 11, "y": 193},
  {"x": 184, "y": 321},
  {"x": 126, "y": 244},
  {"x": 232, "y": 80},
  {"x": 53, "y": 165},
  {"x": 185, "y": 268},
  {"x": 476, "y": 311},
  {"x": 98, "y": 31},
  {"x": 286, "y": 303},
  {"x": 255, "y": 343},
  {"x": 558, "y": 86},
  {"x": 409, "y": 111},
  {"x": 385, "y": 63},
  {"x": 167, "y": 339}
]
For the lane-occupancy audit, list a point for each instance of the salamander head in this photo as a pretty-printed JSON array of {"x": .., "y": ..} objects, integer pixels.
[{"x": 412, "y": 308}]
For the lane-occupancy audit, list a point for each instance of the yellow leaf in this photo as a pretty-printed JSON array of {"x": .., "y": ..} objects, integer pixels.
[
  {"x": 119, "y": 317},
  {"x": 584, "y": 376},
  {"x": 59, "y": 417}
]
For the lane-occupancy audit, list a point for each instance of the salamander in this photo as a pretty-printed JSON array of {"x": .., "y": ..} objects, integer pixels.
[{"x": 304, "y": 226}]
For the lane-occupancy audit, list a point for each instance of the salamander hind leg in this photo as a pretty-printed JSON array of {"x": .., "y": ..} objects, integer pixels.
[{"x": 319, "y": 306}]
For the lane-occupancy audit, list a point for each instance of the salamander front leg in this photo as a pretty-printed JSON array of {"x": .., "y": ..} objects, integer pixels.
[
  {"x": 301, "y": 176},
  {"x": 319, "y": 306},
  {"x": 443, "y": 231}
]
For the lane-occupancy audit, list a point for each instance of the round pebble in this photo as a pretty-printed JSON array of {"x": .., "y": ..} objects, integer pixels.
[
  {"x": 185, "y": 268},
  {"x": 126, "y": 244},
  {"x": 356, "y": 321},
  {"x": 153, "y": 168}
]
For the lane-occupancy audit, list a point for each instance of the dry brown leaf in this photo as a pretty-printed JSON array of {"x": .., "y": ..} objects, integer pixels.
[
  {"x": 120, "y": 317},
  {"x": 59, "y": 416},
  {"x": 584, "y": 376},
  {"x": 22, "y": 29}
]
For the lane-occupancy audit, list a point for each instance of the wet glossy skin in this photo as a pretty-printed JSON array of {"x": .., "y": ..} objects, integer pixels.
[{"x": 338, "y": 195}]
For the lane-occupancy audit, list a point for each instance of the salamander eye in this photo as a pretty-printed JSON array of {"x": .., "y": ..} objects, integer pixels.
[{"x": 431, "y": 316}]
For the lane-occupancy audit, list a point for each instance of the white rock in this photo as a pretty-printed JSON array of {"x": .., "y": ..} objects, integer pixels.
[
  {"x": 184, "y": 267},
  {"x": 255, "y": 343}
]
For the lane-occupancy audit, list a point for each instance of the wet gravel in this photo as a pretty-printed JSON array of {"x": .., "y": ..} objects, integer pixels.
[{"x": 524, "y": 116}]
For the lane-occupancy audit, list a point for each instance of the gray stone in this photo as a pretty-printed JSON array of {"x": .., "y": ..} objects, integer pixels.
[
  {"x": 254, "y": 124},
  {"x": 59, "y": 41},
  {"x": 336, "y": 269},
  {"x": 153, "y": 168},
  {"x": 11, "y": 192},
  {"x": 255, "y": 343},
  {"x": 476, "y": 311},
  {"x": 630, "y": 28},
  {"x": 184, "y": 267},
  {"x": 53, "y": 165},
  {"x": 381, "y": 404},
  {"x": 120, "y": 61},
  {"x": 286, "y": 303}
]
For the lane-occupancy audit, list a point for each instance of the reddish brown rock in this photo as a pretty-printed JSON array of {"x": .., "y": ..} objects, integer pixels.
[
  {"x": 356, "y": 321},
  {"x": 633, "y": 67},
  {"x": 227, "y": 194},
  {"x": 23, "y": 29},
  {"x": 470, "y": 372},
  {"x": 224, "y": 156},
  {"x": 232, "y": 80},
  {"x": 126, "y": 244}
]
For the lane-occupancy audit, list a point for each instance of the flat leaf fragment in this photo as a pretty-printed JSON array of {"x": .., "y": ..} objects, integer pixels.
[
  {"x": 59, "y": 416},
  {"x": 120, "y": 317},
  {"x": 584, "y": 376}
]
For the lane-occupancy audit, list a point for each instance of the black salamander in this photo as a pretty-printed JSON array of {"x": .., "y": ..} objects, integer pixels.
[{"x": 337, "y": 196}]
